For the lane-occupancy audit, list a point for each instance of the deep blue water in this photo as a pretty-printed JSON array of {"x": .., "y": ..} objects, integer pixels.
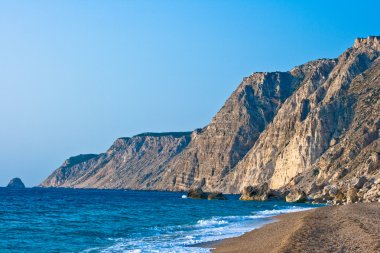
[{"x": 68, "y": 220}]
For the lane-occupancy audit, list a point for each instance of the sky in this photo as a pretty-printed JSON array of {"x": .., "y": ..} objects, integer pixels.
[{"x": 75, "y": 74}]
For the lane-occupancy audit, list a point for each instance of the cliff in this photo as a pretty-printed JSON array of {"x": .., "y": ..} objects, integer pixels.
[
  {"x": 314, "y": 126},
  {"x": 132, "y": 163},
  {"x": 326, "y": 133}
]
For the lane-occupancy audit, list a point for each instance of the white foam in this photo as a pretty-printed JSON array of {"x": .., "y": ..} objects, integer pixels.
[
  {"x": 212, "y": 221},
  {"x": 271, "y": 213},
  {"x": 178, "y": 238}
]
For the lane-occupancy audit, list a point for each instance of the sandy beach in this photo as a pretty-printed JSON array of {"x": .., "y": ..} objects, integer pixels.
[{"x": 350, "y": 228}]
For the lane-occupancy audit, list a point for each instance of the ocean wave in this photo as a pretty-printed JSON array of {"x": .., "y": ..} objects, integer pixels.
[
  {"x": 274, "y": 212},
  {"x": 212, "y": 222},
  {"x": 179, "y": 238}
]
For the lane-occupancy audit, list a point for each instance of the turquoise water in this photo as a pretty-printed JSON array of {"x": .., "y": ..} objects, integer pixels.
[{"x": 68, "y": 220}]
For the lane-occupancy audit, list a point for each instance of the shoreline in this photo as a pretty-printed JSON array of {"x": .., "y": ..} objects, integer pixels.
[
  {"x": 241, "y": 243},
  {"x": 213, "y": 244},
  {"x": 350, "y": 228}
]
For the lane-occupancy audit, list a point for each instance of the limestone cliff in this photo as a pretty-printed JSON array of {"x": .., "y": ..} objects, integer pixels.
[
  {"x": 216, "y": 149},
  {"x": 326, "y": 133},
  {"x": 315, "y": 125},
  {"x": 131, "y": 163}
]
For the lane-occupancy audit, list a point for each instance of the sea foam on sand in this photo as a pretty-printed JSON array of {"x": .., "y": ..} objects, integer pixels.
[{"x": 179, "y": 238}]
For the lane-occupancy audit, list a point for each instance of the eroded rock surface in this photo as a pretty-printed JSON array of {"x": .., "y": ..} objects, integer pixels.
[
  {"x": 336, "y": 142},
  {"x": 198, "y": 193},
  {"x": 130, "y": 163},
  {"x": 312, "y": 127},
  {"x": 258, "y": 193},
  {"x": 296, "y": 196}
]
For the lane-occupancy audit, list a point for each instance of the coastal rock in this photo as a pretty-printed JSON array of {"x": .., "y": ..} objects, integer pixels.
[
  {"x": 330, "y": 190},
  {"x": 198, "y": 193},
  {"x": 339, "y": 198},
  {"x": 296, "y": 196},
  {"x": 352, "y": 195},
  {"x": 16, "y": 183},
  {"x": 258, "y": 193},
  {"x": 330, "y": 193},
  {"x": 319, "y": 198},
  {"x": 216, "y": 196}
]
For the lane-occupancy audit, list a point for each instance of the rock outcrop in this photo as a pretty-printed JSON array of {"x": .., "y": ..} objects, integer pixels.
[
  {"x": 352, "y": 195},
  {"x": 16, "y": 183},
  {"x": 216, "y": 196},
  {"x": 258, "y": 193},
  {"x": 303, "y": 130},
  {"x": 296, "y": 195},
  {"x": 198, "y": 193}
]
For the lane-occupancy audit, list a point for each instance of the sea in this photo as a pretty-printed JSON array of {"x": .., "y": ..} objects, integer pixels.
[{"x": 79, "y": 220}]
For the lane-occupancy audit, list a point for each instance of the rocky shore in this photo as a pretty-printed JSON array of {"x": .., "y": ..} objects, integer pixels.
[
  {"x": 359, "y": 189},
  {"x": 350, "y": 228}
]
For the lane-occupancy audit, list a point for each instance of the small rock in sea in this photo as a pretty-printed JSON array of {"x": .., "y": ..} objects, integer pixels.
[
  {"x": 16, "y": 183},
  {"x": 216, "y": 195},
  {"x": 198, "y": 193}
]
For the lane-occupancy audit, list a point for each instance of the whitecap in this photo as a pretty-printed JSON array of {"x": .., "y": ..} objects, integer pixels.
[{"x": 178, "y": 238}]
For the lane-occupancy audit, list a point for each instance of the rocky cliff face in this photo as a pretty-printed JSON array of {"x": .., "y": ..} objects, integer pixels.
[
  {"x": 216, "y": 149},
  {"x": 313, "y": 119},
  {"x": 132, "y": 163},
  {"x": 326, "y": 133},
  {"x": 313, "y": 126}
]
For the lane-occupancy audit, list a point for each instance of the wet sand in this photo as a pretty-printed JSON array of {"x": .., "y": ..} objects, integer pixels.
[{"x": 350, "y": 228}]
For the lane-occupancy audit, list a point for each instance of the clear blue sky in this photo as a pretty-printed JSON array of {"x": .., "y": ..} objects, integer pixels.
[{"x": 75, "y": 75}]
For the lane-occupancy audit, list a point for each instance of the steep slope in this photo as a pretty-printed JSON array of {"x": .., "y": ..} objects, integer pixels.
[
  {"x": 212, "y": 152},
  {"x": 327, "y": 128},
  {"x": 314, "y": 126},
  {"x": 216, "y": 149},
  {"x": 128, "y": 163},
  {"x": 353, "y": 157}
]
